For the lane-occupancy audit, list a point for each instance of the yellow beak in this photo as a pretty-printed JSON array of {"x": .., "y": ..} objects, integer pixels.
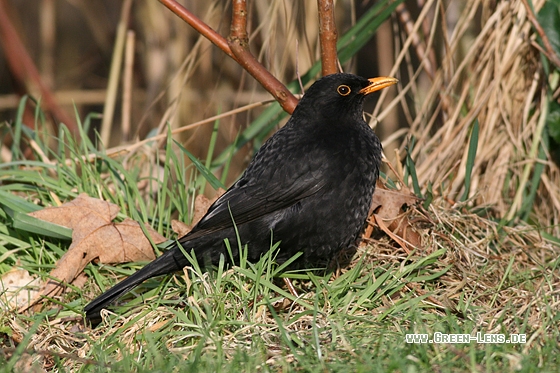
[{"x": 375, "y": 84}]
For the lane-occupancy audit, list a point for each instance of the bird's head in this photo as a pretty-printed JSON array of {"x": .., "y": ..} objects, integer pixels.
[{"x": 341, "y": 95}]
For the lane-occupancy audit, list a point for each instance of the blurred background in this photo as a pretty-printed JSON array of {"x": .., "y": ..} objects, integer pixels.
[{"x": 177, "y": 75}]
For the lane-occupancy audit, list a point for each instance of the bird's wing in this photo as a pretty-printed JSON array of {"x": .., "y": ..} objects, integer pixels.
[{"x": 274, "y": 190}]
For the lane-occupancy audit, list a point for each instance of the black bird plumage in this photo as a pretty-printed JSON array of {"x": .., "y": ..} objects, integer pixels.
[{"x": 309, "y": 186}]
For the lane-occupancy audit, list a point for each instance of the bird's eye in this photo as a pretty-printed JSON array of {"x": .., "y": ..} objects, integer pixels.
[{"x": 343, "y": 90}]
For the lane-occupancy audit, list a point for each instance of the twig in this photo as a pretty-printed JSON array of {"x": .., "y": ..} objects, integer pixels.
[
  {"x": 201, "y": 27},
  {"x": 238, "y": 30},
  {"x": 278, "y": 90},
  {"x": 426, "y": 26},
  {"x": 328, "y": 37},
  {"x": 297, "y": 69},
  {"x": 236, "y": 47},
  {"x": 47, "y": 24},
  {"x": 238, "y": 42}
]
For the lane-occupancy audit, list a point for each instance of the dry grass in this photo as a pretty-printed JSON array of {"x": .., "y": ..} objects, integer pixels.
[{"x": 495, "y": 78}]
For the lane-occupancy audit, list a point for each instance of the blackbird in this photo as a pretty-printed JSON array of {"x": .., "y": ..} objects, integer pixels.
[{"x": 309, "y": 186}]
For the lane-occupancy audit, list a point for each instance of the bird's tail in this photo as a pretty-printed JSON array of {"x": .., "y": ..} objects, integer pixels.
[{"x": 171, "y": 261}]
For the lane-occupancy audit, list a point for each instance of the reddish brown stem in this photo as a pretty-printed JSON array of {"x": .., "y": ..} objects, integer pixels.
[
  {"x": 239, "y": 45},
  {"x": 239, "y": 22},
  {"x": 236, "y": 47},
  {"x": 201, "y": 27},
  {"x": 24, "y": 70},
  {"x": 328, "y": 37},
  {"x": 284, "y": 97}
]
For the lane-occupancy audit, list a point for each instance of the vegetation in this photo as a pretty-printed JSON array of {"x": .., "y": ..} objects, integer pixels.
[{"x": 473, "y": 131}]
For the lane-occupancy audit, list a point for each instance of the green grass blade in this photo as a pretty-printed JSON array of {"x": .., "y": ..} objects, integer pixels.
[
  {"x": 17, "y": 129},
  {"x": 208, "y": 175},
  {"x": 210, "y": 153},
  {"x": 471, "y": 155},
  {"x": 538, "y": 170},
  {"x": 411, "y": 168}
]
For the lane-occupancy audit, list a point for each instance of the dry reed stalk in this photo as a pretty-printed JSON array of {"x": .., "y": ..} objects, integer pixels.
[{"x": 496, "y": 79}]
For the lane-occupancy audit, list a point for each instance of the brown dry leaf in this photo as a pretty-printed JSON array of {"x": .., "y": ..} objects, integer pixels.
[
  {"x": 80, "y": 281},
  {"x": 17, "y": 288},
  {"x": 381, "y": 224},
  {"x": 180, "y": 228},
  {"x": 387, "y": 205},
  {"x": 201, "y": 205},
  {"x": 390, "y": 202},
  {"x": 82, "y": 215},
  {"x": 94, "y": 237}
]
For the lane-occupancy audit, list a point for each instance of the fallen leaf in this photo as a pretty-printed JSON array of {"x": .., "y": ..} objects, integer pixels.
[
  {"x": 83, "y": 215},
  {"x": 17, "y": 289},
  {"x": 387, "y": 211},
  {"x": 110, "y": 244},
  {"x": 94, "y": 237},
  {"x": 180, "y": 228},
  {"x": 388, "y": 203},
  {"x": 80, "y": 281},
  {"x": 381, "y": 224}
]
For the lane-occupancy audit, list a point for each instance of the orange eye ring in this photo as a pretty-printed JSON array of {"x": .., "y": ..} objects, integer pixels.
[{"x": 343, "y": 90}]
